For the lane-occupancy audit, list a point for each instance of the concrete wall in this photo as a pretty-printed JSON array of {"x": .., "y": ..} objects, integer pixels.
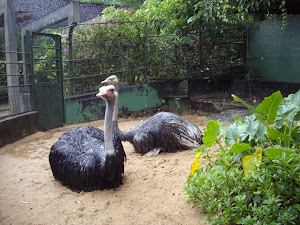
[
  {"x": 16, "y": 127},
  {"x": 273, "y": 53}
]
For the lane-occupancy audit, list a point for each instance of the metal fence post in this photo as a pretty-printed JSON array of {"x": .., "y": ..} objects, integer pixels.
[
  {"x": 201, "y": 50},
  {"x": 59, "y": 73},
  {"x": 29, "y": 61},
  {"x": 145, "y": 51},
  {"x": 14, "y": 98},
  {"x": 70, "y": 39}
]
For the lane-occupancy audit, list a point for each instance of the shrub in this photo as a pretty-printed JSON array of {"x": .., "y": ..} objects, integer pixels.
[{"x": 253, "y": 178}]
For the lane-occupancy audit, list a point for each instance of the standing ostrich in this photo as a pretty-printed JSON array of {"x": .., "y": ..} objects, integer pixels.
[
  {"x": 164, "y": 131},
  {"x": 87, "y": 158}
]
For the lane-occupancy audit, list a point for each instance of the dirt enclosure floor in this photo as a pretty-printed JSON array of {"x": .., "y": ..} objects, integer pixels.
[{"x": 152, "y": 193}]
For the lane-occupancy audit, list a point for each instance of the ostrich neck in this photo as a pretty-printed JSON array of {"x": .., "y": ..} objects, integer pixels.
[
  {"x": 116, "y": 110},
  {"x": 108, "y": 138},
  {"x": 125, "y": 136}
]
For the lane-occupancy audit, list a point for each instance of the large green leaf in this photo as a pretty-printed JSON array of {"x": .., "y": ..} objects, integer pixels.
[
  {"x": 211, "y": 133},
  {"x": 250, "y": 108},
  {"x": 252, "y": 162},
  {"x": 249, "y": 129},
  {"x": 288, "y": 110},
  {"x": 296, "y": 134},
  {"x": 238, "y": 148},
  {"x": 269, "y": 106},
  {"x": 261, "y": 132},
  {"x": 233, "y": 133},
  {"x": 277, "y": 135}
]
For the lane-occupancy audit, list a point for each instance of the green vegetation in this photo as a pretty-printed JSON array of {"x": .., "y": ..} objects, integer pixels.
[
  {"x": 253, "y": 178},
  {"x": 131, "y": 3},
  {"x": 157, "y": 39},
  {"x": 144, "y": 44}
]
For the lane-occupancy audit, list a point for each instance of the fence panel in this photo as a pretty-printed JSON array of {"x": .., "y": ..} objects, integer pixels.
[
  {"x": 137, "y": 53},
  {"x": 47, "y": 79},
  {"x": 14, "y": 85}
]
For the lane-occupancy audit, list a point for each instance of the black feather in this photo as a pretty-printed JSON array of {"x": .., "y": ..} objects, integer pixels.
[
  {"x": 164, "y": 130},
  {"x": 78, "y": 160}
]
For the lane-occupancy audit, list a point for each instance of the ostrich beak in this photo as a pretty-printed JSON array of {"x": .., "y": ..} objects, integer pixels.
[
  {"x": 105, "y": 81},
  {"x": 100, "y": 94}
]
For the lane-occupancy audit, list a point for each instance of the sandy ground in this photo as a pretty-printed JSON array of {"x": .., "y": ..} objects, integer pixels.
[{"x": 152, "y": 193}]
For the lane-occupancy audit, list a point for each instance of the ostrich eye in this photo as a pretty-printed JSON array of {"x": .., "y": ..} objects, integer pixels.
[{"x": 112, "y": 89}]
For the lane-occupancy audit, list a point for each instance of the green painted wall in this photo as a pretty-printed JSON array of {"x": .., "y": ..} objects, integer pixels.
[
  {"x": 138, "y": 97},
  {"x": 83, "y": 110},
  {"x": 88, "y": 107},
  {"x": 274, "y": 54}
]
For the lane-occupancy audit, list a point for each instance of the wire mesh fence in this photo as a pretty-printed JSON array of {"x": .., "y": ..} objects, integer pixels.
[
  {"x": 135, "y": 51},
  {"x": 44, "y": 58},
  {"x": 137, "y": 54},
  {"x": 14, "y": 84}
]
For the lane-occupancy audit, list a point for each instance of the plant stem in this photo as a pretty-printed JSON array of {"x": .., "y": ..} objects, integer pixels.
[
  {"x": 291, "y": 126},
  {"x": 278, "y": 141},
  {"x": 219, "y": 143}
]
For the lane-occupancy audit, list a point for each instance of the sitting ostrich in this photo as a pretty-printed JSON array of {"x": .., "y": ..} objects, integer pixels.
[
  {"x": 164, "y": 131},
  {"x": 87, "y": 158}
]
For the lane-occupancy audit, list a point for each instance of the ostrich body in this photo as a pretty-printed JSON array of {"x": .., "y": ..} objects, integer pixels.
[
  {"x": 87, "y": 158},
  {"x": 164, "y": 131}
]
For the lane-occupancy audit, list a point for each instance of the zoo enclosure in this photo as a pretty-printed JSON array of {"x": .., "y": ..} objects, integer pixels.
[{"x": 74, "y": 67}]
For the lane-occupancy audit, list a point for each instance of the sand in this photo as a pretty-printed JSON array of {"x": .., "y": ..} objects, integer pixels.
[{"x": 152, "y": 193}]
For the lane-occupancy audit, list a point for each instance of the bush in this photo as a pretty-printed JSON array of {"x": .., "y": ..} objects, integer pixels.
[
  {"x": 253, "y": 178},
  {"x": 144, "y": 44}
]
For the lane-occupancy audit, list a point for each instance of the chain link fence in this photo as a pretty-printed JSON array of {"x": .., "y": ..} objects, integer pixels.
[
  {"x": 14, "y": 84},
  {"x": 132, "y": 50},
  {"x": 136, "y": 54}
]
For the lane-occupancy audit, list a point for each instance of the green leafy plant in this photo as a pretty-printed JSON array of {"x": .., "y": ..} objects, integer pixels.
[{"x": 253, "y": 175}]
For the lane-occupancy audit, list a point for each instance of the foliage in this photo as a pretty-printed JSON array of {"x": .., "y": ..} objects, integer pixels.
[
  {"x": 132, "y": 3},
  {"x": 253, "y": 178},
  {"x": 220, "y": 12},
  {"x": 144, "y": 44}
]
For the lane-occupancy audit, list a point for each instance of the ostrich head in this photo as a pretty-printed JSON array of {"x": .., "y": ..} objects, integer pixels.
[
  {"x": 113, "y": 79},
  {"x": 107, "y": 93}
]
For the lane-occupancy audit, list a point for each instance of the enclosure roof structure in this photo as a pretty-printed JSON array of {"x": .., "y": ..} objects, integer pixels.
[{"x": 30, "y": 11}]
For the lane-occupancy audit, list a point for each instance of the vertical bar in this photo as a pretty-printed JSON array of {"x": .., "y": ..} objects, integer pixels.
[
  {"x": 28, "y": 44},
  {"x": 245, "y": 45},
  {"x": 59, "y": 74},
  {"x": 15, "y": 101},
  {"x": 145, "y": 52},
  {"x": 201, "y": 51},
  {"x": 26, "y": 56},
  {"x": 71, "y": 63},
  {"x": 74, "y": 14}
]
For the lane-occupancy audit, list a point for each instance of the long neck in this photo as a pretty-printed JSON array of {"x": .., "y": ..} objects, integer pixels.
[
  {"x": 116, "y": 110},
  {"x": 125, "y": 136},
  {"x": 108, "y": 135}
]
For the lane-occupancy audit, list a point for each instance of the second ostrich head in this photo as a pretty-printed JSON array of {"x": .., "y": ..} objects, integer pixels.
[{"x": 113, "y": 80}]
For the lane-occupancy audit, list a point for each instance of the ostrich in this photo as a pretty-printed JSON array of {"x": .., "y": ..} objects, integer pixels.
[
  {"x": 164, "y": 131},
  {"x": 87, "y": 158}
]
